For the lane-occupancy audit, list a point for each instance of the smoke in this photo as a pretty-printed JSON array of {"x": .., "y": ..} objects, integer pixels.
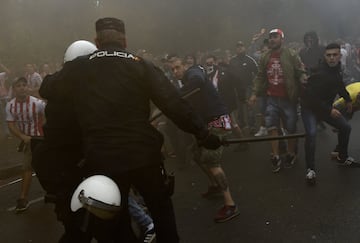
[{"x": 40, "y": 30}]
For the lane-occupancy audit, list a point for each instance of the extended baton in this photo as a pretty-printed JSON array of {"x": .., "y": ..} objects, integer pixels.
[
  {"x": 194, "y": 91},
  {"x": 261, "y": 139}
]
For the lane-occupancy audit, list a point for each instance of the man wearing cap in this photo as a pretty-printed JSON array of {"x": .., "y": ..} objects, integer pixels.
[
  {"x": 111, "y": 90},
  {"x": 242, "y": 71},
  {"x": 280, "y": 75}
]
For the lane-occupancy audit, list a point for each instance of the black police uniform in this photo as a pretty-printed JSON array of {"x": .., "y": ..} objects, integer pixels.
[
  {"x": 110, "y": 92},
  {"x": 56, "y": 160}
]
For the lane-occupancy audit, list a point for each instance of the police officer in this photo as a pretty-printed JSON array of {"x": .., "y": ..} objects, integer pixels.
[
  {"x": 110, "y": 91},
  {"x": 57, "y": 157}
]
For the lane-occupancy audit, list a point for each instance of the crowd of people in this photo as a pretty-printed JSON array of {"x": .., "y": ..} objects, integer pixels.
[{"x": 258, "y": 90}]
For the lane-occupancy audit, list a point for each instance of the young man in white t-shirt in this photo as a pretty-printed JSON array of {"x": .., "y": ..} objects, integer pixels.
[{"x": 24, "y": 115}]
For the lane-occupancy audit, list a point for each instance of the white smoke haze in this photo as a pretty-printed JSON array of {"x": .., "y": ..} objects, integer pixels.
[{"x": 40, "y": 30}]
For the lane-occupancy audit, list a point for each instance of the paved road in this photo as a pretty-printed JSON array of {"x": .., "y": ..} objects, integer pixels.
[{"x": 274, "y": 207}]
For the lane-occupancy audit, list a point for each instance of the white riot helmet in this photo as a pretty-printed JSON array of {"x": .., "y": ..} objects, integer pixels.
[
  {"x": 78, "y": 48},
  {"x": 99, "y": 195}
]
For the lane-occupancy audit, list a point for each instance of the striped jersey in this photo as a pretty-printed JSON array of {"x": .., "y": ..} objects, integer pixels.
[{"x": 27, "y": 115}]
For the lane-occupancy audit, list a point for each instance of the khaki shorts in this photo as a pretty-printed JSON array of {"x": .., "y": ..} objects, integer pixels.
[
  {"x": 207, "y": 157},
  {"x": 27, "y": 158}
]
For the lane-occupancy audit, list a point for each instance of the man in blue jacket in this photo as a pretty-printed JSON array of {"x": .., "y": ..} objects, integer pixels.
[{"x": 210, "y": 107}]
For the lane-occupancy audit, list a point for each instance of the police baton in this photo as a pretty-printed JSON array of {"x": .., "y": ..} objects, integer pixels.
[
  {"x": 192, "y": 92},
  {"x": 227, "y": 141}
]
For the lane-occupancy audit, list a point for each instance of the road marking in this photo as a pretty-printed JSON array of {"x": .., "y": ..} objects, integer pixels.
[
  {"x": 30, "y": 202},
  {"x": 13, "y": 182}
]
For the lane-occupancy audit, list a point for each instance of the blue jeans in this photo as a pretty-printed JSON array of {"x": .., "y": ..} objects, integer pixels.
[
  {"x": 261, "y": 104},
  {"x": 280, "y": 109},
  {"x": 310, "y": 124},
  {"x": 138, "y": 214}
]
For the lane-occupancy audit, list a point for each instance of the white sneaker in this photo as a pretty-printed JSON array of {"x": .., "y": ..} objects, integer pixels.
[
  {"x": 311, "y": 176},
  {"x": 349, "y": 161},
  {"x": 262, "y": 132},
  {"x": 150, "y": 236}
]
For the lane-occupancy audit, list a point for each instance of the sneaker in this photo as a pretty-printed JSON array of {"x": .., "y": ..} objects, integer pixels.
[
  {"x": 21, "y": 205},
  {"x": 276, "y": 164},
  {"x": 262, "y": 132},
  {"x": 149, "y": 236},
  {"x": 349, "y": 161},
  {"x": 310, "y": 177},
  {"x": 289, "y": 160},
  {"x": 213, "y": 191},
  {"x": 226, "y": 213}
]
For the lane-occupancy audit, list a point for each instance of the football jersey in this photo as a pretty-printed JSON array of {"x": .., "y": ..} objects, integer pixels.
[{"x": 27, "y": 115}]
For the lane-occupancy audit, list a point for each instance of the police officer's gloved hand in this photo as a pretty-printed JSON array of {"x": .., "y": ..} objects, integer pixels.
[{"x": 210, "y": 141}]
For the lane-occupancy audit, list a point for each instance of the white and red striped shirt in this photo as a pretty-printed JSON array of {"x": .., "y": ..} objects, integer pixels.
[{"x": 27, "y": 115}]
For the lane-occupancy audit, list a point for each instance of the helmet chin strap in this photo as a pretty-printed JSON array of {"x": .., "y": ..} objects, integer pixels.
[{"x": 91, "y": 202}]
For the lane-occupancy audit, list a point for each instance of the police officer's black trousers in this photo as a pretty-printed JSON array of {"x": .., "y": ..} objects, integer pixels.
[{"x": 149, "y": 182}]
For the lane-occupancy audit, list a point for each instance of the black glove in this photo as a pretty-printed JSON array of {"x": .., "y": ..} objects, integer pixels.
[{"x": 211, "y": 141}]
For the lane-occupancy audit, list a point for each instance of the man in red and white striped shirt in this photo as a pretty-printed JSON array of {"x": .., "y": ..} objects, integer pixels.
[{"x": 24, "y": 115}]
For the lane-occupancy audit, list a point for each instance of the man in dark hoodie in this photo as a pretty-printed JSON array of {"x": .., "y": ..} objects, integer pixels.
[
  {"x": 312, "y": 53},
  {"x": 242, "y": 71},
  {"x": 317, "y": 104}
]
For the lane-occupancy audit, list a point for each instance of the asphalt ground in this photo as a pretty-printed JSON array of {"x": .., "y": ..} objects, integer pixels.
[
  {"x": 10, "y": 159},
  {"x": 277, "y": 208}
]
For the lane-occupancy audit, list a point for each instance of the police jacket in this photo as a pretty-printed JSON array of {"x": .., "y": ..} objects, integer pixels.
[
  {"x": 110, "y": 91},
  {"x": 207, "y": 101},
  {"x": 61, "y": 129},
  {"x": 321, "y": 89}
]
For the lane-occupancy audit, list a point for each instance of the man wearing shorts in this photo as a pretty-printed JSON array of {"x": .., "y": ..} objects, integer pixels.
[
  {"x": 208, "y": 104},
  {"x": 280, "y": 75},
  {"x": 24, "y": 115}
]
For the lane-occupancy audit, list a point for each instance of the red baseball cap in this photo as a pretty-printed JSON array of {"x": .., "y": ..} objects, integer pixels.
[{"x": 277, "y": 31}]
